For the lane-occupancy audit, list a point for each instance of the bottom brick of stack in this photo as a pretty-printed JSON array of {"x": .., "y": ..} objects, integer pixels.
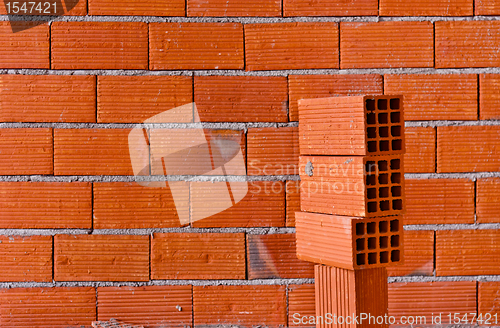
[{"x": 351, "y": 298}]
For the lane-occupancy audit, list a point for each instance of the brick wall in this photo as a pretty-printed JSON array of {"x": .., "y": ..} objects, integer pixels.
[{"x": 81, "y": 241}]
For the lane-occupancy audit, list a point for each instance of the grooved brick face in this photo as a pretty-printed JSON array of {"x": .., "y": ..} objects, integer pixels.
[
  {"x": 486, "y": 7},
  {"x": 241, "y": 98},
  {"x": 435, "y": 97},
  {"x": 273, "y": 256},
  {"x": 405, "y": 44},
  {"x": 467, "y": 252},
  {"x": 196, "y": 46},
  {"x": 488, "y": 200},
  {"x": 99, "y": 45},
  {"x": 330, "y": 8},
  {"x": 26, "y": 151},
  {"x": 29, "y": 48},
  {"x": 420, "y": 156},
  {"x": 291, "y": 46},
  {"x": 137, "y": 8},
  {"x": 468, "y": 149},
  {"x": 48, "y": 307},
  {"x": 239, "y": 305},
  {"x": 101, "y": 258},
  {"x": 439, "y": 201},
  {"x": 292, "y": 201},
  {"x": 467, "y": 44},
  {"x": 320, "y": 86},
  {"x": 152, "y": 306},
  {"x": 424, "y": 8},
  {"x": 489, "y": 96},
  {"x": 488, "y": 298},
  {"x": 26, "y": 258},
  {"x": 230, "y": 8},
  {"x": 79, "y": 8},
  {"x": 198, "y": 256},
  {"x": 272, "y": 151},
  {"x": 133, "y": 99},
  {"x": 45, "y": 205},
  {"x": 419, "y": 255},
  {"x": 47, "y": 98},
  {"x": 301, "y": 300}
]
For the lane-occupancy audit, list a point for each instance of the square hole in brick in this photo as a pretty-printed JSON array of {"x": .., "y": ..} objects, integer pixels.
[
  {"x": 396, "y": 178},
  {"x": 395, "y": 241},
  {"x": 370, "y": 167},
  {"x": 372, "y": 258},
  {"x": 360, "y": 259},
  {"x": 395, "y": 256},
  {"x": 383, "y": 226},
  {"x": 371, "y": 180},
  {"x": 372, "y": 146},
  {"x": 396, "y": 131},
  {"x": 370, "y": 104},
  {"x": 371, "y": 228},
  {"x": 385, "y": 205},
  {"x": 371, "y": 118},
  {"x": 372, "y": 243},
  {"x": 395, "y": 117},
  {"x": 384, "y": 145},
  {"x": 383, "y": 131},
  {"x": 383, "y": 178},
  {"x": 397, "y": 144},
  {"x": 394, "y": 103},
  {"x": 384, "y": 242},
  {"x": 371, "y": 193},
  {"x": 382, "y": 104},
  {"x": 384, "y": 257},
  {"x": 360, "y": 244},
  {"x": 394, "y": 225},
  {"x": 360, "y": 229},
  {"x": 397, "y": 204},
  {"x": 383, "y": 118},
  {"x": 383, "y": 192},
  {"x": 395, "y": 164},
  {"x": 372, "y": 207},
  {"x": 396, "y": 191},
  {"x": 372, "y": 133},
  {"x": 382, "y": 165}
]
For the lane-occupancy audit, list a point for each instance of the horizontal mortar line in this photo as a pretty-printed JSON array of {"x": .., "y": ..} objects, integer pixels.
[
  {"x": 451, "y": 123},
  {"x": 409, "y": 279},
  {"x": 451, "y": 226},
  {"x": 131, "y": 178},
  {"x": 472, "y": 176}
]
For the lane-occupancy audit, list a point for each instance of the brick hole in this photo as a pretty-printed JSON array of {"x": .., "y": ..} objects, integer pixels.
[
  {"x": 371, "y": 228},
  {"x": 396, "y": 178},
  {"x": 396, "y": 191},
  {"x": 397, "y": 144},
  {"x": 395, "y": 257},
  {"x": 396, "y": 131},
  {"x": 383, "y": 131},
  {"x": 370, "y": 104},
  {"x": 384, "y": 242},
  {"x": 383, "y": 178},
  {"x": 370, "y": 167},
  {"x": 371, "y": 118},
  {"x": 372, "y": 193},
  {"x": 384, "y": 257},
  {"x": 371, "y": 180},
  {"x": 383, "y": 226},
  {"x": 394, "y": 225},
  {"x": 372, "y": 133},
  {"x": 395, "y": 241},
  {"x": 384, "y": 205},
  {"x": 395, "y": 117},
  {"x": 382, "y": 165},
  {"x": 372, "y": 243},
  {"x": 394, "y": 103},
  {"x": 360, "y": 244},
  {"x": 360, "y": 259},
  {"x": 372, "y": 146},
  {"x": 372, "y": 258},
  {"x": 372, "y": 207},
  {"x": 397, "y": 204},
  {"x": 383, "y": 118},
  {"x": 383, "y": 192},
  {"x": 384, "y": 145},
  {"x": 360, "y": 229},
  {"x": 382, "y": 104},
  {"x": 395, "y": 164}
]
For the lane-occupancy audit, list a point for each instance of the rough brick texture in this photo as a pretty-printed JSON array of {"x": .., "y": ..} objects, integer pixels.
[
  {"x": 489, "y": 96},
  {"x": 420, "y": 146},
  {"x": 488, "y": 300},
  {"x": 292, "y": 201},
  {"x": 230, "y": 8},
  {"x": 329, "y": 8},
  {"x": 418, "y": 255},
  {"x": 488, "y": 200},
  {"x": 486, "y": 7},
  {"x": 424, "y": 8},
  {"x": 28, "y": 48},
  {"x": 137, "y": 8},
  {"x": 301, "y": 303}
]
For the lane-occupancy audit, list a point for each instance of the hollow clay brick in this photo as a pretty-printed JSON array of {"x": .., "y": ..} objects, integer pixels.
[
  {"x": 292, "y": 201},
  {"x": 435, "y": 97},
  {"x": 348, "y": 242},
  {"x": 301, "y": 303},
  {"x": 320, "y": 86},
  {"x": 486, "y": 7},
  {"x": 427, "y": 8},
  {"x": 198, "y": 256},
  {"x": 420, "y": 146},
  {"x": 45, "y": 205},
  {"x": 196, "y": 46},
  {"x": 329, "y": 8},
  {"x": 362, "y": 125},
  {"x": 489, "y": 96},
  {"x": 488, "y": 200},
  {"x": 28, "y": 48},
  {"x": 137, "y": 8},
  {"x": 439, "y": 201},
  {"x": 234, "y": 8},
  {"x": 418, "y": 257},
  {"x": 299, "y": 45},
  {"x": 488, "y": 301}
]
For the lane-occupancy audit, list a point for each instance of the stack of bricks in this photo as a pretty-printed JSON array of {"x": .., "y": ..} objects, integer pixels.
[{"x": 352, "y": 199}]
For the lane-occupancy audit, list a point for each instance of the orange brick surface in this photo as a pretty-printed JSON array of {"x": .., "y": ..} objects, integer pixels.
[
  {"x": 488, "y": 200},
  {"x": 26, "y": 151},
  {"x": 419, "y": 255},
  {"x": 239, "y": 305},
  {"x": 406, "y": 44},
  {"x": 99, "y": 45},
  {"x": 151, "y": 306},
  {"x": 196, "y": 46},
  {"x": 229, "y": 8},
  {"x": 420, "y": 156},
  {"x": 291, "y": 46},
  {"x": 320, "y": 86},
  {"x": 488, "y": 300},
  {"x": 45, "y": 205},
  {"x": 468, "y": 149},
  {"x": 439, "y": 201},
  {"x": 292, "y": 201},
  {"x": 489, "y": 96},
  {"x": 26, "y": 258},
  {"x": 467, "y": 44},
  {"x": 101, "y": 258},
  {"x": 28, "y": 48},
  {"x": 329, "y": 8},
  {"x": 198, "y": 256},
  {"x": 241, "y": 98},
  {"x": 486, "y": 7},
  {"x": 67, "y": 7},
  {"x": 423, "y": 8},
  {"x": 273, "y": 256},
  {"x": 467, "y": 252},
  {"x": 301, "y": 303},
  {"x": 142, "y": 8},
  {"x": 133, "y": 99},
  {"x": 435, "y": 97}
]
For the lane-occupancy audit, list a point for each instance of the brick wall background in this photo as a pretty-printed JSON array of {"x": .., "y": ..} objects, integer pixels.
[{"x": 81, "y": 241}]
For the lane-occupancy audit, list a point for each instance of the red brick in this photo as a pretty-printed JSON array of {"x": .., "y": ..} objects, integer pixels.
[
  {"x": 405, "y": 44},
  {"x": 425, "y": 8},
  {"x": 133, "y": 8},
  {"x": 196, "y": 46},
  {"x": 152, "y": 306},
  {"x": 301, "y": 303},
  {"x": 486, "y": 7},
  {"x": 439, "y": 201},
  {"x": 99, "y": 45},
  {"x": 419, "y": 255},
  {"x": 429, "y": 299},
  {"x": 26, "y": 151},
  {"x": 489, "y": 98},
  {"x": 468, "y": 149},
  {"x": 291, "y": 46},
  {"x": 273, "y": 256},
  {"x": 92, "y": 152},
  {"x": 133, "y": 99},
  {"x": 28, "y": 48},
  {"x": 48, "y": 307},
  {"x": 263, "y": 206},
  {"x": 272, "y": 151},
  {"x": 78, "y": 8},
  {"x": 241, "y": 98},
  {"x": 45, "y": 205},
  {"x": 198, "y": 256},
  {"x": 239, "y": 305},
  {"x": 26, "y": 258},
  {"x": 467, "y": 252},
  {"x": 47, "y": 98},
  {"x": 230, "y": 8},
  {"x": 488, "y": 301},
  {"x": 488, "y": 200},
  {"x": 329, "y": 8},
  {"x": 292, "y": 201},
  {"x": 320, "y": 86},
  {"x": 420, "y": 156},
  {"x": 101, "y": 258},
  {"x": 435, "y": 97},
  {"x": 467, "y": 44}
]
